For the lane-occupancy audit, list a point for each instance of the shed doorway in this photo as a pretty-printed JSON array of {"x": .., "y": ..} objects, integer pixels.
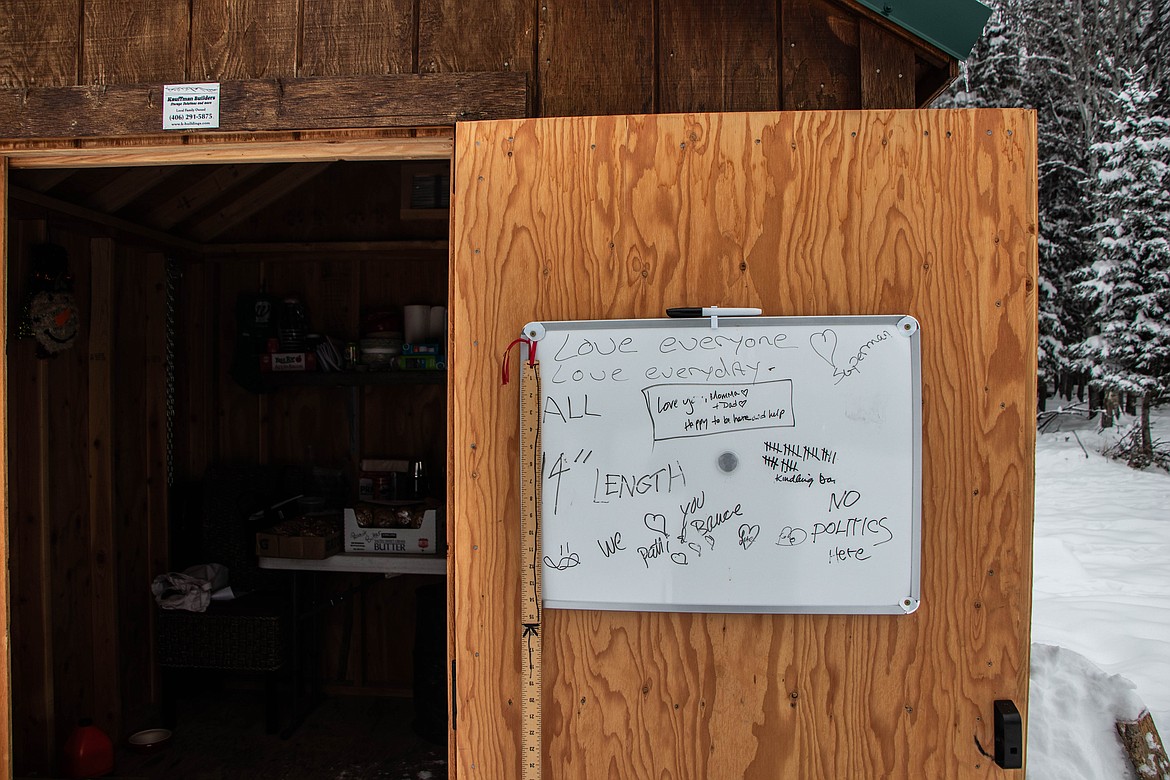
[{"x": 109, "y": 438}]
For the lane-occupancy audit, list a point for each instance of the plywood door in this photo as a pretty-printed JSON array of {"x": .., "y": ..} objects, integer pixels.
[
  {"x": 5, "y": 679},
  {"x": 929, "y": 213}
]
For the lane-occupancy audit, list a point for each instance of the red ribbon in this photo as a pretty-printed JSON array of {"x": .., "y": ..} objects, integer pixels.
[{"x": 531, "y": 356}]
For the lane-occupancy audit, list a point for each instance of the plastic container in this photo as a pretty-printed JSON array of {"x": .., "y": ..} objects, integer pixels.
[
  {"x": 379, "y": 357},
  {"x": 88, "y": 751},
  {"x": 381, "y": 351}
]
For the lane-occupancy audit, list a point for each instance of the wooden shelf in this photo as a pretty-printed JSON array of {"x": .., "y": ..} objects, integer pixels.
[{"x": 355, "y": 378}]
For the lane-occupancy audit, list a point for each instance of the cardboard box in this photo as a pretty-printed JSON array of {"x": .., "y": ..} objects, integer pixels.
[
  {"x": 377, "y": 528},
  {"x": 288, "y": 361},
  {"x": 314, "y": 536}
]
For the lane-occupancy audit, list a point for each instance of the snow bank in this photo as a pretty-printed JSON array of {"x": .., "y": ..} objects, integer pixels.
[
  {"x": 1101, "y": 555},
  {"x": 1073, "y": 709},
  {"x": 1101, "y": 604}
]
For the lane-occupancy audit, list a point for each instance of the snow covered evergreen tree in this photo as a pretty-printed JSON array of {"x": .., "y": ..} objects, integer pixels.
[
  {"x": 991, "y": 77},
  {"x": 1064, "y": 82},
  {"x": 1127, "y": 287},
  {"x": 1065, "y": 58}
]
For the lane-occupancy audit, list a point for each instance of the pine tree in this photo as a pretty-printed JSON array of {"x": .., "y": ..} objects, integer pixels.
[
  {"x": 1127, "y": 287},
  {"x": 1058, "y": 81},
  {"x": 1066, "y": 59},
  {"x": 991, "y": 76}
]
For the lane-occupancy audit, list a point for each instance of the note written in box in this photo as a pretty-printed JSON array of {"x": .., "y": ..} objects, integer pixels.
[{"x": 678, "y": 411}]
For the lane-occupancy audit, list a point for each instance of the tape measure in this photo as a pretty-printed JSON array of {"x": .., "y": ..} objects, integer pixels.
[{"x": 531, "y": 754}]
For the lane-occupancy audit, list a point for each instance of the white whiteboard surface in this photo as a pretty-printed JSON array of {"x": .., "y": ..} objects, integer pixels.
[{"x": 769, "y": 464}]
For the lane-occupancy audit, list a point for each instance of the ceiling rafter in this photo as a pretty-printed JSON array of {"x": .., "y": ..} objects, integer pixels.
[
  {"x": 97, "y": 217},
  {"x": 45, "y": 179},
  {"x": 253, "y": 199},
  {"x": 125, "y": 188},
  {"x": 184, "y": 203}
]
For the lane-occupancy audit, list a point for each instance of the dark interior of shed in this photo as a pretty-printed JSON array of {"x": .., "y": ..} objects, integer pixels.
[{"x": 112, "y": 436}]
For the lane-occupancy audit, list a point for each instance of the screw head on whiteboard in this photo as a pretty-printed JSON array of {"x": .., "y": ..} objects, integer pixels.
[
  {"x": 534, "y": 331},
  {"x": 727, "y": 462},
  {"x": 908, "y": 326}
]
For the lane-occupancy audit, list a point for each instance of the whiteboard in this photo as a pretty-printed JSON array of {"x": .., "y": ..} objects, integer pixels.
[{"x": 748, "y": 464}]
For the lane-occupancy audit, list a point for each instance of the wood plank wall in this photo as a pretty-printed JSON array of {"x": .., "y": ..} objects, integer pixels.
[
  {"x": 582, "y": 58},
  {"x": 87, "y": 494},
  {"x": 802, "y": 213}
]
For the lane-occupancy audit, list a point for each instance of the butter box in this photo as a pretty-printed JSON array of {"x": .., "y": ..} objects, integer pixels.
[{"x": 380, "y": 528}]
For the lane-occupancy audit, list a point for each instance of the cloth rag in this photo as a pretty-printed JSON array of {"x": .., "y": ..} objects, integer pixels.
[{"x": 191, "y": 588}]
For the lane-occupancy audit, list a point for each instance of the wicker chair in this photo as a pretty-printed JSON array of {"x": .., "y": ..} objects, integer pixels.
[{"x": 252, "y": 632}]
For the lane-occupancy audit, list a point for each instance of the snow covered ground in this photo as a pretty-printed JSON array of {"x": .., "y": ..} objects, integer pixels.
[{"x": 1101, "y": 603}]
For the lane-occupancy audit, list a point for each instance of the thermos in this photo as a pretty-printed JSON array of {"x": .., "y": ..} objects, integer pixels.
[
  {"x": 88, "y": 751},
  {"x": 418, "y": 480},
  {"x": 291, "y": 325}
]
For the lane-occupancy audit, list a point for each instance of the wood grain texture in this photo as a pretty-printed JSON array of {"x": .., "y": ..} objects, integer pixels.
[
  {"x": 928, "y": 213},
  {"x": 243, "y": 203},
  {"x": 314, "y": 212},
  {"x": 475, "y": 35},
  {"x": 195, "y": 374},
  {"x": 355, "y": 38},
  {"x": 176, "y": 205},
  {"x": 388, "y": 629},
  {"x": 118, "y": 224},
  {"x": 38, "y": 43},
  {"x": 70, "y": 579},
  {"x": 573, "y": 79},
  {"x": 126, "y": 187},
  {"x": 132, "y": 517},
  {"x": 262, "y": 147},
  {"x": 106, "y": 552},
  {"x": 243, "y": 39},
  {"x": 152, "y": 532},
  {"x": 133, "y": 43},
  {"x": 30, "y": 607},
  {"x": 819, "y": 56},
  {"x": 400, "y": 100},
  {"x": 238, "y": 412},
  {"x": 719, "y": 56},
  {"x": 888, "y": 69}
]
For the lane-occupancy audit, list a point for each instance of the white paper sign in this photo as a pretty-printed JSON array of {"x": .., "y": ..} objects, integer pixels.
[{"x": 190, "y": 106}]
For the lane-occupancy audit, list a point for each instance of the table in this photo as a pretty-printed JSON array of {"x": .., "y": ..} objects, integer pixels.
[
  {"x": 371, "y": 563},
  {"x": 386, "y": 564}
]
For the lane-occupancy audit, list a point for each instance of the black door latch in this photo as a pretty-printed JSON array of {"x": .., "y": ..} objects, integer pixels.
[{"x": 1009, "y": 735}]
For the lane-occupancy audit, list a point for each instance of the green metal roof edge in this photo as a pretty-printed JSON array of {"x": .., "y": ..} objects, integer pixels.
[{"x": 952, "y": 25}]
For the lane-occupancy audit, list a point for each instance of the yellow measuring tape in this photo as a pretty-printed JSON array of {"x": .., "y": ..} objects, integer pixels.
[{"x": 531, "y": 755}]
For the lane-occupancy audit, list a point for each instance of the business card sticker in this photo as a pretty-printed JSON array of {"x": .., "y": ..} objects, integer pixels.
[{"x": 187, "y": 106}]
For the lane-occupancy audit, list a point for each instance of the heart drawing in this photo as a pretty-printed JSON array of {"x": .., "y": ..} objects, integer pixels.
[
  {"x": 825, "y": 345},
  {"x": 748, "y": 534},
  {"x": 790, "y": 537},
  {"x": 655, "y": 522}
]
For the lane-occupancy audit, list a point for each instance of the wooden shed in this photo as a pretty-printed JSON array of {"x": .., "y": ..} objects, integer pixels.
[{"x": 508, "y": 160}]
